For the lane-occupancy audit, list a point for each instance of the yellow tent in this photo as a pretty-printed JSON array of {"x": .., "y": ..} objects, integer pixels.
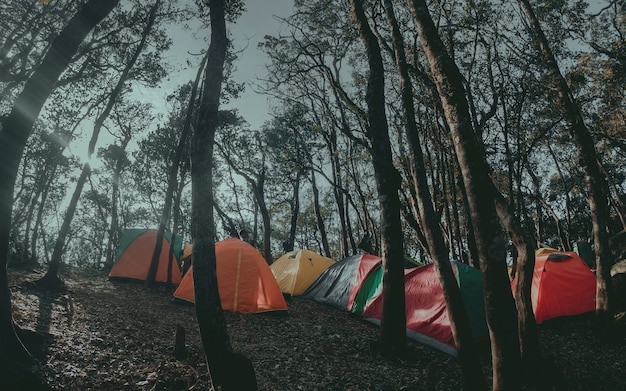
[
  {"x": 187, "y": 250},
  {"x": 297, "y": 270},
  {"x": 545, "y": 250}
]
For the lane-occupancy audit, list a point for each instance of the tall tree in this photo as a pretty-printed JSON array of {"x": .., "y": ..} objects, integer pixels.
[
  {"x": 246, "y": 153},
  {"x": 16, "y": 128},
  {"x": 211, "y": 322},
  {"x": 595, "y": 181},
  {"x": 439, "y": 253},
  {"x": 115, "y": 156},
  {"x": 51, "y": 279},
  {"x": 393, "y": 321},
  {"x": 499, "y": 303},
  {"x": 172, "y": 180}
]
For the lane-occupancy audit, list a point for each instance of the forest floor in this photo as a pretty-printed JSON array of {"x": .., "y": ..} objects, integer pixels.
[{"x": 120, "y": 336}]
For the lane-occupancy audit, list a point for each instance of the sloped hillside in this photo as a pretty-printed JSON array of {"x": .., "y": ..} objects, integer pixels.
[{"x": 120, "y": 336}]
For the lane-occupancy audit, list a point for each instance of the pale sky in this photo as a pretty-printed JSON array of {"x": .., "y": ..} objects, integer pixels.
[{"x": 252, "y": 26}]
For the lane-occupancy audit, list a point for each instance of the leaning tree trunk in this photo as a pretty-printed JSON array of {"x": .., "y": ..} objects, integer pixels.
[
  {"x": 171, "y": 186},
  {"x": 525, "y": 266},
  {"x": 51, "y": 279},
  {"x": 474, "y": 379},
  {"x": 16, "y": 128},
  {"x": 499, "y": 303},
  {"x": 393, "y": 322},
  {"x": 597, "y": 187}
]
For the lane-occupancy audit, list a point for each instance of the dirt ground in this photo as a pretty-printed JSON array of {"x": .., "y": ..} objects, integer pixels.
[{"x": 120, "y": 336}]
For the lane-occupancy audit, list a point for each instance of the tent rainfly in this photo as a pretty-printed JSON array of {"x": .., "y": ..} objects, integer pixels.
[
  {"x": 339, "y": 284},
  {"x": 296, "y": 270},
  {"x": 562, "y": 285},
  {"x": 245, "y": 282},
  {"x": 135, "y": 254},
  {"x": 427, "y": 320}
]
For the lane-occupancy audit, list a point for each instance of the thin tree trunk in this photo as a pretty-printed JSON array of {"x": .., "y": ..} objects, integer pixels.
[
  {"x": 51, "y": 279},
  {"x": 564, "y": 234},
  {"x": 318, "y": 215},
  {"x": 595, "y": 181},
  {"x": 295, "y": 210},
  {"x": 259, "y": 191},
  {"x": 114, "y": 229},
  {"x": 172, "y": 184}
]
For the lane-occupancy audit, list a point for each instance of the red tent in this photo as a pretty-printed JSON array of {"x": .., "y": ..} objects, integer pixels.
[
  {"x": 562, "y": 285},
  {"x": 427, "y": 318}
]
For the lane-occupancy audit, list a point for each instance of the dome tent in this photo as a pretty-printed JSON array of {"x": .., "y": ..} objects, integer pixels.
[
  {"x": 245, "y": 282},
  {"x": 427, "y": 320},
  {"x": 562, "y": 285},
  {"x": 340, "y": 284},
  {"x": 296, "y": 270},
  {"x": 134, "y": 256}
]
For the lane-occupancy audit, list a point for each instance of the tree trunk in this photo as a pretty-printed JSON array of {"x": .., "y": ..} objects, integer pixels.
[
  {"x": 295, "y": 211},
  {"x": 265, "y": 218},
  {"x": 469, "y": 359},
  {"x": 172, "y": 184},
  {"x": 393, "y": 322},
  {"x": 525, "y": 268},
  {"x": 114, "y": 229},
  {"x": 51, "y": 280},
  {"x": 597, "y": 187},
  {"x": 318, "y": 215},
  {"x": 16, "y": 129},
  {"x": 499, "y": 303},
  {"x": 211, "y": 321}
]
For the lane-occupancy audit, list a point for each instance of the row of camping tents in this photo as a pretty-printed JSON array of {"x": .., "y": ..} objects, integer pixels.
[{"x": 562, "y": 284}]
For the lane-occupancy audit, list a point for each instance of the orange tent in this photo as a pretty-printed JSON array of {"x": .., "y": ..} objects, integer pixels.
[
  {"x": 135, "y": 254},
  {"x": 562, "y": 285},
  {"x": 244, "y": 280}
]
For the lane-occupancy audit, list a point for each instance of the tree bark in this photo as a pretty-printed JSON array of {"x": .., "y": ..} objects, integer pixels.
[
  {"x": 499, "y": 303},
  {"x": 295, "y": 211},
  {"x": 172, "y": 184},
  {"x": 469, "y": 359},
  {"x": 211, "y": 321},
  {"x": 595, "y": 181},
  {"x": 388, "y": 181},
  {"x": 51, "y": 279},
  {"x": 525, "y": 267},
  {"x": 16, "y": 128},
  {"x": 318, "y": 215},
  {"x": 114, "y": 229}
]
